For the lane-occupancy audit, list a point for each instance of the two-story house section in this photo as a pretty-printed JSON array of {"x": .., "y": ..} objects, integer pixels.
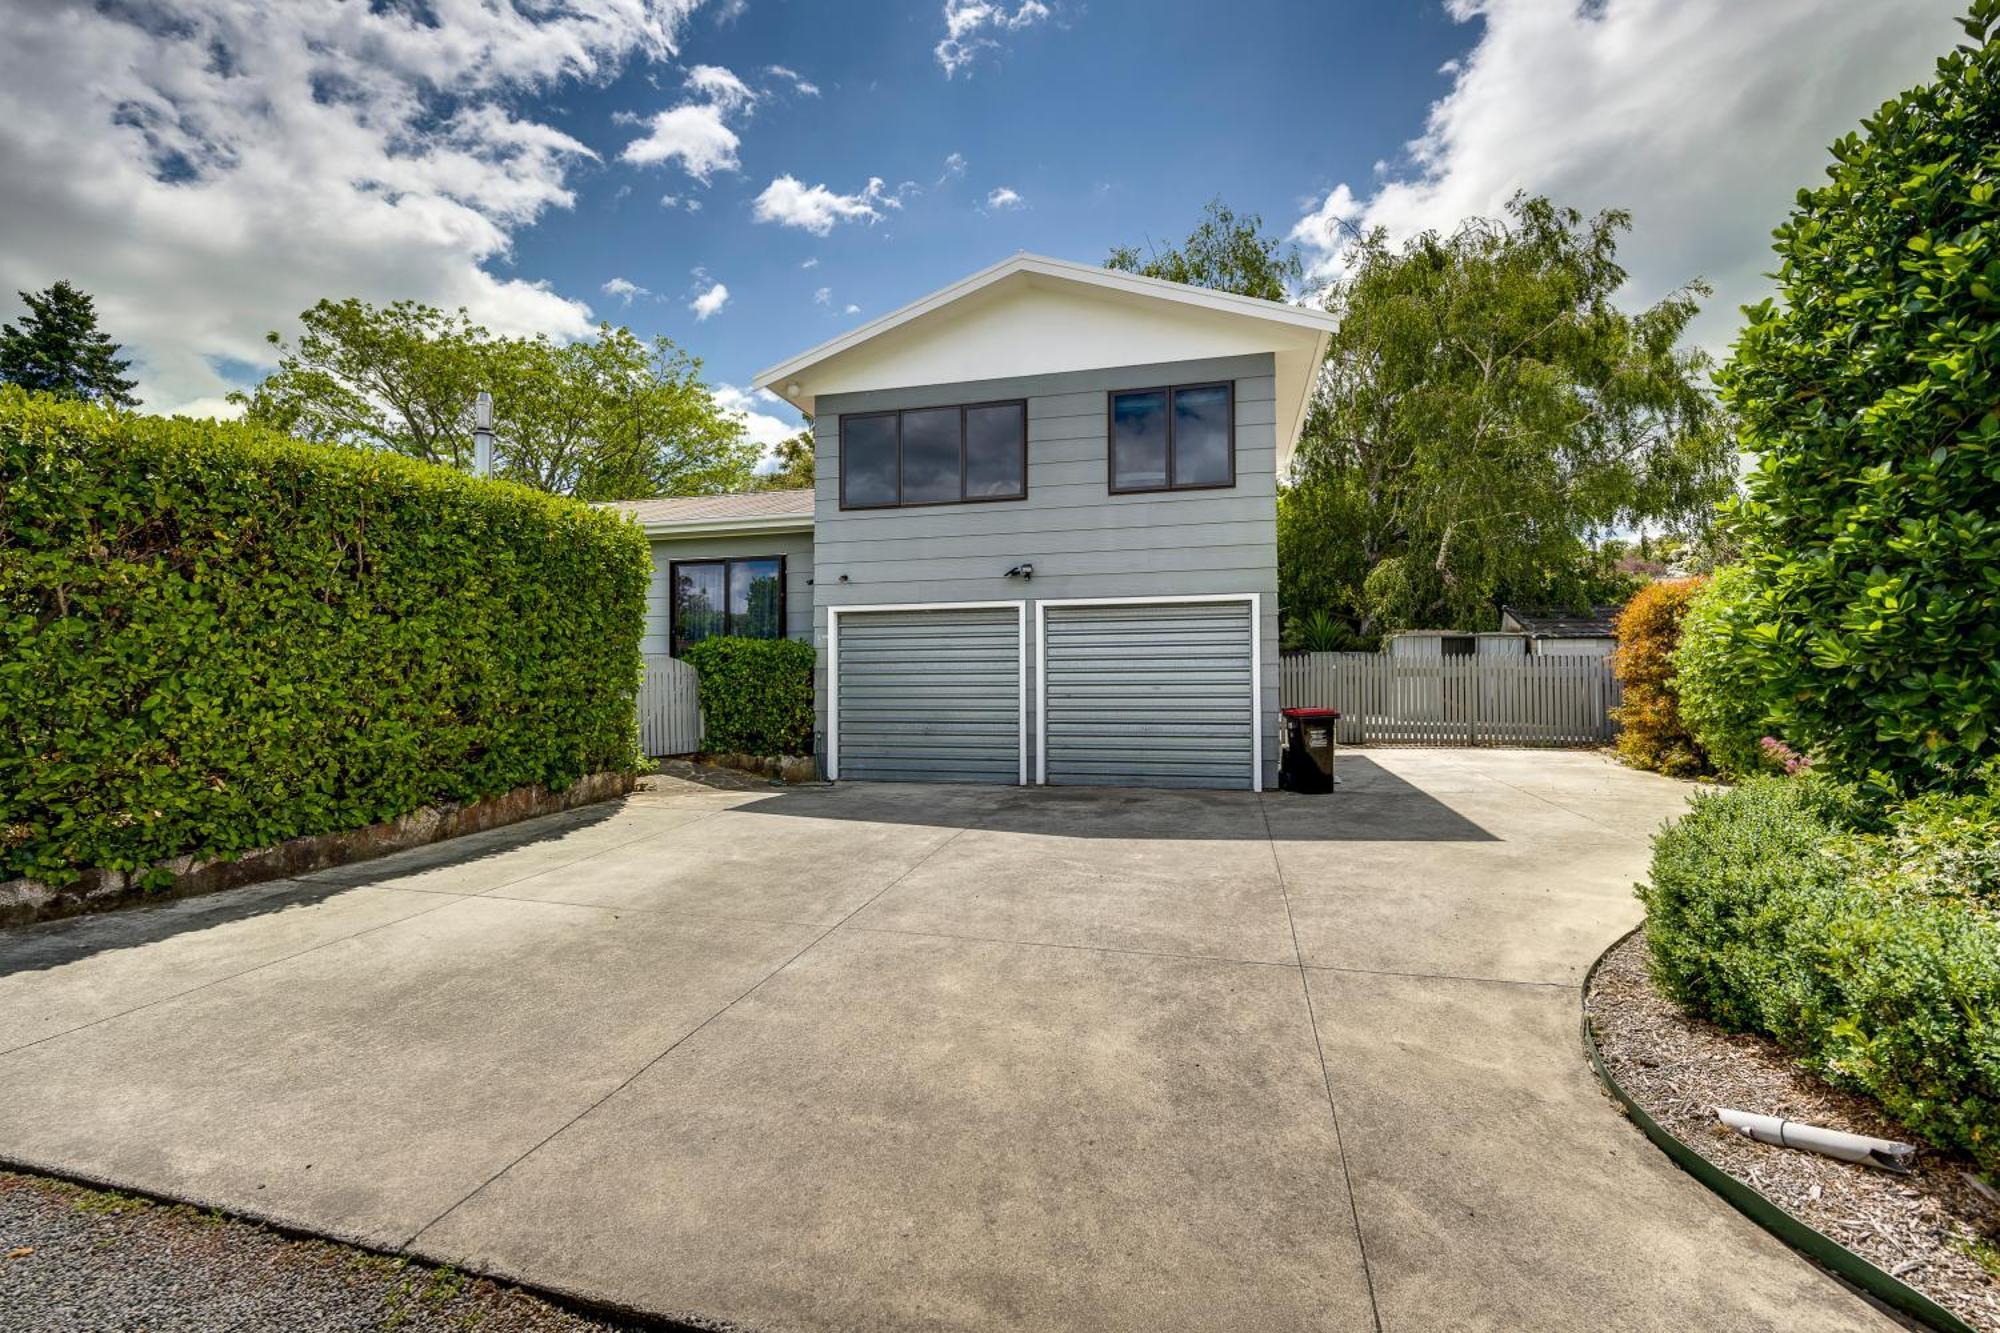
[{"x": 1045, "y": 529}]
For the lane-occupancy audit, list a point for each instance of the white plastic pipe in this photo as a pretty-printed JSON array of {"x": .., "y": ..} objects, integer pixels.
[{"x": 1883, "y": 1153}]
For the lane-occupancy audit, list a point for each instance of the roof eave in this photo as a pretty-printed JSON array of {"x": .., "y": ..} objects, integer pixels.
[{"x": 724, "y": 527}]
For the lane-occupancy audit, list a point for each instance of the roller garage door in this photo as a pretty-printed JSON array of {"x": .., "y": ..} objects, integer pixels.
[
  {"x": 1149, "y": 694},
  {"x": 928, "y": 694}
]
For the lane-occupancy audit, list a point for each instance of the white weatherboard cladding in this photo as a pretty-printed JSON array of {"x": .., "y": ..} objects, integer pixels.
[
  {"x": 1149, "y": 694},
  {"x": 929, "y": 694},
  {"x": 1083, "y": 541}
]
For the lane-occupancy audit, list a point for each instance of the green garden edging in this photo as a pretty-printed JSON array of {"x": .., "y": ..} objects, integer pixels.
[{"x": 1822, "y": 1249}]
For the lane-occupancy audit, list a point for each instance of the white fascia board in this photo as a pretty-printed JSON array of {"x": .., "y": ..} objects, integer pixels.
[
  {"x": 1277, "y": 312},
  {"x": 726, "y": 527}
]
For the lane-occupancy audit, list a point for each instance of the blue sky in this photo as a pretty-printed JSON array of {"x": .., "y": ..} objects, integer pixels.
[
  {"x": 210, "y": 168},
  {"x": 1113, "y": 124}
]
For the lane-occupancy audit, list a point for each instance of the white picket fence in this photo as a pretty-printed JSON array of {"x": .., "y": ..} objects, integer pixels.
[
  {"x": 1386, "y": 700},
  {"x": 669, "y": 707}
]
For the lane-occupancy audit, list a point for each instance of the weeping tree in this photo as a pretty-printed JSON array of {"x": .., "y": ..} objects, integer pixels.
[{"x": 1487, "y": 411}]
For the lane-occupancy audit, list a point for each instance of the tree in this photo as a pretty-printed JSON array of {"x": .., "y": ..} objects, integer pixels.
[
  {"x": 1225, "y": 252},
  {"x": 612, "y": 417},
  {"x": 1870, "y": 395},
  {"x": 58, "y": 349},
  {"x": 795, "y": 464},
  {"x": 1485, "y": 411}
]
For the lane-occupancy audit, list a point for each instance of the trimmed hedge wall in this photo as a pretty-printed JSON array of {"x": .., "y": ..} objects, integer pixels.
[
  {"x": 214, "y": 638},
  {"x": 1871, "y": 954},
  {"x": 756, "y": 695}
]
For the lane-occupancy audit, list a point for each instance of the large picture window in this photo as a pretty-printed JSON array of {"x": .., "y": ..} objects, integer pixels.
[
  {"x": 741, "y": 597},
  {"x": 1174, "y": 439},
  {"x": 934, "y": 455}
]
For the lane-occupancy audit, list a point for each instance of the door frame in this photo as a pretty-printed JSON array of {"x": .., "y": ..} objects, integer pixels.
[
  {"x": 1256, "y": 603},
  {"x": 833, "y": 615}
]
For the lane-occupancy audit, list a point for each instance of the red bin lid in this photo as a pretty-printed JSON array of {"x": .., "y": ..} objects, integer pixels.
[{"x": 1312, "y": 714}]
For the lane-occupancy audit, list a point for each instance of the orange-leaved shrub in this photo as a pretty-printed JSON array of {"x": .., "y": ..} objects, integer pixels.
[{"x": 1649, "y": 629}]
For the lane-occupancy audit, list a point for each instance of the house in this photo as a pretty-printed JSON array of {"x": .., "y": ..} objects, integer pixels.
[
  {"x": 1589, "y": 633},
  {"x": 1043, "y": 539}
]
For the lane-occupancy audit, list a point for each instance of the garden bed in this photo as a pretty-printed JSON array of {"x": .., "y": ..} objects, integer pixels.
[{"x": 1936, "y": 1229}]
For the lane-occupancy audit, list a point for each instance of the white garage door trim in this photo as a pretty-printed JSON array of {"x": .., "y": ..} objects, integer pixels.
[
  {"x": 833, "y": 615},
  {"x": 1255, "y": 601}
]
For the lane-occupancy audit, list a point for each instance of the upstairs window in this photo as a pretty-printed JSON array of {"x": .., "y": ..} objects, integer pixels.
[
  {"x": 744, "y": 598},
  {"x": 1176, "y": 439},
  {"x": 934, "y": 455}
]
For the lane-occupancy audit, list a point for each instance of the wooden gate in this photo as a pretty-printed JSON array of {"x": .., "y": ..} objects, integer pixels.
[
  {"x": 1386, "y": 700},
  {"x": 669, "y": 707}
]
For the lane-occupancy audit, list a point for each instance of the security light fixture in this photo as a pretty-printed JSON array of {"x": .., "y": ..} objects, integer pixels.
[{"x": 1024, "y": 570}]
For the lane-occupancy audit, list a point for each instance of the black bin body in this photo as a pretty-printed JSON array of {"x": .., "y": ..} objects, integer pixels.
[{"x": 1308, "y": 762}]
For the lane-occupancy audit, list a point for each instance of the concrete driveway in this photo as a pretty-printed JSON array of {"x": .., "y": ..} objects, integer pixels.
[{"x": 932, "y": 1058}]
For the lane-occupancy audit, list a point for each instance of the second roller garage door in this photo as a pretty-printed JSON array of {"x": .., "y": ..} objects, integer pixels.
[
  {"x": 1149, "y": 694},
  {"x": 928, "y": 694}
]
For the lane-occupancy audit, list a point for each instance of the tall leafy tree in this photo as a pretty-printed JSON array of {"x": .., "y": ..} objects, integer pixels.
[
  {"x": 610, "y": 417},
  {"x": 795, "y": 463},
  {"x": 1870, "y": 394},
  {"x": 1226, "y": 251},
  {"x": 1487, "y": 410},
  {"x": 58, "y": 349}
]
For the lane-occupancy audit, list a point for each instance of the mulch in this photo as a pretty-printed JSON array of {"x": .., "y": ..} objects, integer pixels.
[{"x": 1936, "y": 1229}]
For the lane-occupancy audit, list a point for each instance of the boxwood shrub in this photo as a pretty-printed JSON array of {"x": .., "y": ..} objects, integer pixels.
[
  {"x": 214, "y": 638},
  {"x": 756, "y": 695},
  {"x": 1868, "y": 946}
]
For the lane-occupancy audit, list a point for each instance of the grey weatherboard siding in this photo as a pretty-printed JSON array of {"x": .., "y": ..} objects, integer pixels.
[
  {"x": 1082, "y": 540},
  {"x": 796, "y": 547}
]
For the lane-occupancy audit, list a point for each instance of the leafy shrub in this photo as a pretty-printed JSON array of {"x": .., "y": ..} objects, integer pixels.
[
  {"x": 214, "y": 638},
  {"x": 1654, "y": 735},
  {"x": 1776, "y": 908},
  {"x": 1868, "y": 393},
  {"x": 1720, "y": 697},
  {"x": 756, "y": 695}
]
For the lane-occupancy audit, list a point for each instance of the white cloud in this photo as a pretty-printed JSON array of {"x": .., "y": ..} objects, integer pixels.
[
  {"x": 790, "y": 202},
  {"x": 1003, "y": 199},
  {"x": 811, "y": 263},
  {"x": 1668, "y": 108},
  {"x": 851, "y": 310},
  {"x": 824, "y": 296},
  {"x": 208, "y": 178},
  {"x": 623, "y": 290},
  {"x": 970, "y": 25},
  {"x": 762, "y": 428},
  {"x": 692, "y": 134},
  {"x": 709, "y": 300},
  {"x": 720, "y": 87},
  {"x": 801, "y": 85},
  {"x": 954, "y": 167},
  {"x": 696, "y": 133}
]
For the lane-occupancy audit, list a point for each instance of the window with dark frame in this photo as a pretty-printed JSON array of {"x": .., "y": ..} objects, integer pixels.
[
  {"x": 1174, "y": 439},
  {"x": 934, "y": 455},
  {"x": 743, "y": 596}
]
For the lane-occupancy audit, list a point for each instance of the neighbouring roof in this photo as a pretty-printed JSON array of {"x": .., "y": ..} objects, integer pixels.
[
  {"x": 750, "y": 510},
  {"x": 1032, "y": 315},
  {"x": 1600, "y": 622}
]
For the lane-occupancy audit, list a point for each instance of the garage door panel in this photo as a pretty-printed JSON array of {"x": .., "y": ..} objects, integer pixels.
[
  {"x": 930, "y": 696},
  {"x": 1149, "y": 694}
]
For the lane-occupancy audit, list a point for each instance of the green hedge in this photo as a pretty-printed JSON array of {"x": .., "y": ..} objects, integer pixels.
[
  {"x": 756, "y": 695},
  {"x": 213, "y": 638},
  {"x": 1722, "y": 700},
  {"x": 1870, "y": 953}
]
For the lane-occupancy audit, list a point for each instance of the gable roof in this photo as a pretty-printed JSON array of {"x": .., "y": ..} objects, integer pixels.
[
  {"x": 937, "y": 339},
  {"x": 761, "y": 511}
]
